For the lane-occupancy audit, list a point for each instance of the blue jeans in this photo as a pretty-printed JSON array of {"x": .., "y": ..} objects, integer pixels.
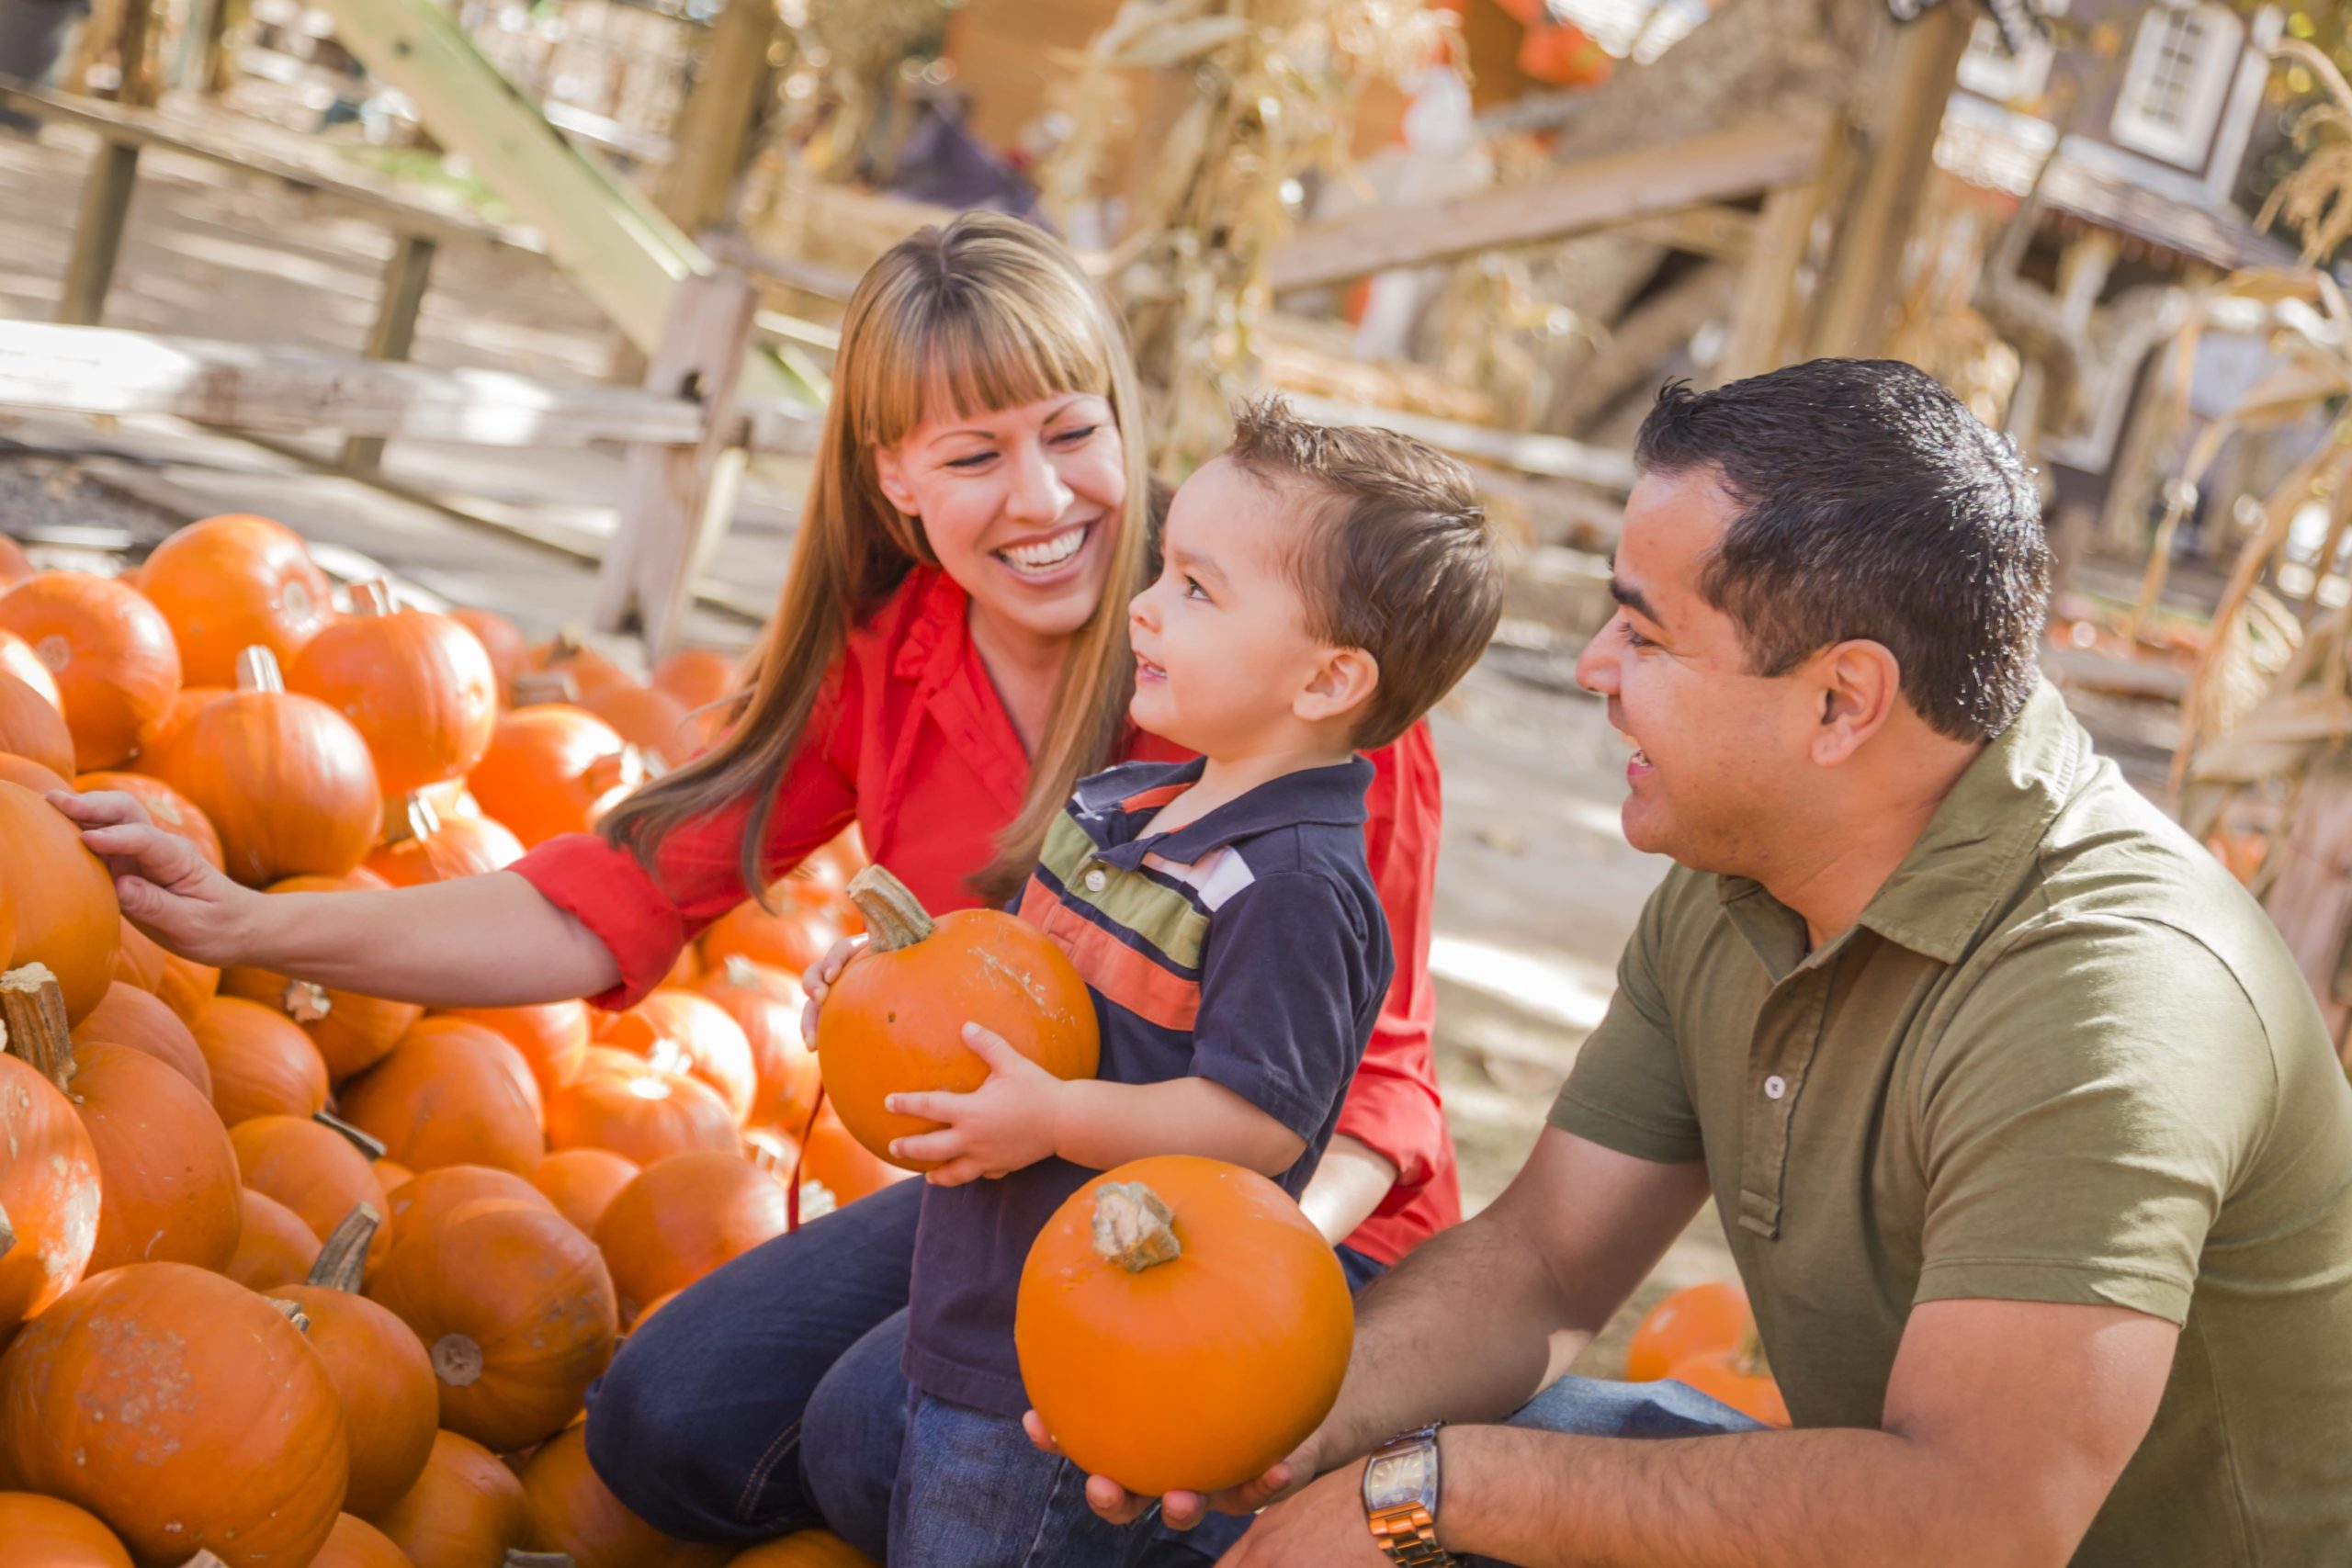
[{"x": 973, "y": 1493}]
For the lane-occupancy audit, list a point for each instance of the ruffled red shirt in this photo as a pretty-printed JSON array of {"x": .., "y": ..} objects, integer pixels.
[{"x": 912, "y": 744}]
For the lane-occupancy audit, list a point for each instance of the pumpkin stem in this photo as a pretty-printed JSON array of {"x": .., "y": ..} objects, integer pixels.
[
  {"x": 366, "y": 1142},
  {"x": 7, "y": 1235},
  {"x": 456, "y": 1361},
  {"x": 306, "y": 1001},
  {"x": 518, "y": 1558},
  {"x": 895, "y": 917},
  {"x": 534, "y": 687},
  {"x": 1750, "y": 1360},
  {"x": 32, "y": 1023},
  {"x": 258, "y": 670},
  {"x": 204, "y": 1560},
  {"x": 1133, "y": 1228},
  {"x": 816, "y": 1201},
  {"x": 291, "y": 1311},
  {"x": 742, "y": 972},
  {"x": 373, "y": 597},
  {"x": 344, "y": 1260},
  {"x": 414, "y": 820}
]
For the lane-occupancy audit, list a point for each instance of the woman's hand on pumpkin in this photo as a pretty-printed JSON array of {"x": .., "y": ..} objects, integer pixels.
[
  {"x": 165, "y": 889},
  {"x": 1183, "y": 1510},
  {"x": 818, "y": 979},
  {"x": 1008, "y": 1122}
]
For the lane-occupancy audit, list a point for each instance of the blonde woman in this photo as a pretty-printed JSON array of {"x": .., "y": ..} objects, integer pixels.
[{"x": 951, "y": 653}]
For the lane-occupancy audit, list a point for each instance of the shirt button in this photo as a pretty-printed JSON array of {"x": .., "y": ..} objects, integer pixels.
[
  {"x": 1775, "y": 1087},
  {"x": 1095, "y": 880}
]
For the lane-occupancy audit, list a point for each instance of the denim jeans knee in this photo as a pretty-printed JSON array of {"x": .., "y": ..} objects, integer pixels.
[
  {"x": 852, "y": 1435},
  {"x": 974, "y": 1493},
  {"x": 1594, "y": 1407}
]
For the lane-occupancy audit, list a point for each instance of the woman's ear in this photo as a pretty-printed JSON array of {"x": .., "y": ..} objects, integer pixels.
[
  {"x": 891, "y": 474},
  {"x": 1342, "y": 682}
]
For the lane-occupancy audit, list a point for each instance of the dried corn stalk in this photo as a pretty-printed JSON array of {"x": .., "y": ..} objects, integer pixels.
[{"x": 2316, "y": 197}]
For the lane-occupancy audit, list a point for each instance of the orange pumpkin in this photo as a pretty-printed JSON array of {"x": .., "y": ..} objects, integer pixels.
[
  {"x": 516, "y": 1310},
  {"x": 552, "y": 1036},
  {"x": 573, "y": 1512},
  {"x": 553, "y": 768},
  {"x": 276, "y": 1247},
  {"x": 31, "y": 774},
  {"x": 697, "y": 677},
  {"x": 167, "y": 1173},
  {"x": 1125, "y": 1324},
  {"x": 427, "y": 1198},
  {"x": 686, "y": 1033},
  {"x": 392, "y": 1176},
  {"x": 66, "y": 917},
  {"x": 262, "y": 1065},
  {"x": 111, "y": 652},
  {"x": 809, "y": 1549},
  {"x": 418, "y": 687},
  {"x": 129, "y": 1016},
  {"x": 390, "y": 1405},
  {"x": 499, "y": 639},
  {"x": 31, "y": 727},
  {"x": 425, "y": 846},
  {"x": 1737, "y": 1376},
  {"x": 139, "y": 1439},
  {"x": 231, "y": 582},
  {"x": 172, "y": 811},
  {"x": 355, "y": 1543},
  {"x": 1698, "y": 1319},
  {"x": 894, "y": 1021},
  {"x": 767, "y": 1004},
  {"x": 285, "y": 780},
  {"x": 184, "y": 985},
  {"x": 464, "y": 1511},
  {"x": 351, "y": 1031},
  {"x": 41, "y": 1532},
  {"x": 846, "y": 1169},
  {"x": 583, "y": 1183},
  {"x": 681, "y": 1219},
  {"x": 17, "y": 659},
  {"x": 790, "y": 938},
  {"x": 639, "y": 1112},
  {"x": 49, "y": 1194},
  {"x": 451, "y": 1093},
  {"x": 586, "y": 671},
  {"x": 654, "y": 721},
  {"x": 186, "y": 703},
  {"x": 309, "y": 1167}
]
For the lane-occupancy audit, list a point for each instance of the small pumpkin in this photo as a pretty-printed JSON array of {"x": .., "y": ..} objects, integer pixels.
[
  {"x": 111, "y": 651},
  {"x": 276, "y": 1247},
  {"x": 31, "y": 727},
  {"x": 167, "y": 1175},
  {"x": 285, "y": 780},
  {"x": 139, "y": 1439},
  {"x": 500, "y": 640},
  {"x": 228, "y": 583},
  {"x": 144, "y": 1022},
  {"x": 425, "y": 1200},
  {"x": 66, "y": 917},
  {"x": 574, "y": 1513},
  {"x": 806, "y": 1549},
  {"x": 846, "y": 1169},
  {"x": 641, "y": 1112},
  {"x": 684, "y": 1217},
  {"x": 41, "y": 1532},
  {"x": 352, "y": 1031},
  {"x": 552, "y": 1037},
  {"x": 1180, "y": 1325},
  {"x": 1740, "y": 1376},
  {"x": 316, "y": 1171},
  {"x": 515, "y": 1308},
  {"x": 31, "y": 774},
  {"x": 424, "y": 846},
  {"x": 172, "y": 811},
  {"x": 183, "y": 984},
  {"x": 1690, "y": 1322},
  {"x": 686, "y": 1033},
  {"x": 654, "y": 721},
  {"x": 355, "y": 1543},
  {"x": 583, "y": 1183},
  {"x": 583, "y": 670},
  {"x": 697, "y": 677},
  {"x": 767, "y": 1004},
  {"x": 789, "y": 938},
  {"x": 186, "y": 703},
  {"x": 451, "y": 1093},
  {"x": 466, "y": 1510},
  {"x": 392, "y": 1176},
  {"x": 893, "y": 1021},
  {"x": 17, "y": 659},
  {"x": 418, "y": 686},
  {"x": 49, "y": 1183},
  {"x": 390, "y": 1405},
  {"x": 553, "y": 768},
  {"x": 262, "y": 1064}
]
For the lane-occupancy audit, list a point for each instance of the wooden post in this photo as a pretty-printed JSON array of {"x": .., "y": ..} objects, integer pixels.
[
  {"x": 718, "y": 115},
  {"x": 676, "y": 500},
  {"x": 406, "y": 277},
  {"x": 1858, "y": 292},
  {"x": 97, "y": 239},
  {"x": 2310, "y": 898},
  {"x": 1767, "y": 285}
]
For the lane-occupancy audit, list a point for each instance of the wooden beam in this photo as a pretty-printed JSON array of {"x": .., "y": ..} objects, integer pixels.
[
  {"x": 1725, "y": 233},
  {"x": 406, "y": 277},
  {"x": 717, "y": 119},
  {"x": 1554, "y": 456},
  {"x": 98, "y": 237},
  {"x": 1599, "y": 193},
  {"x": 1766, "y": 302}
]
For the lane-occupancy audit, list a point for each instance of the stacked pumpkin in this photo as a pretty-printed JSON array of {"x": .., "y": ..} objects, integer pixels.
[
  {"x": 1705, "y": 1335},
  {"x": 291, "y": 1267}
]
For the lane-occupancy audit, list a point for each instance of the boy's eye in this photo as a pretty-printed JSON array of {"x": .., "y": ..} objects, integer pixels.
[{"x": 1193, "y": 590}]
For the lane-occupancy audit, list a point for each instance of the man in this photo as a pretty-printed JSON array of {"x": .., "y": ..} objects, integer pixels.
[{"x": 2027, "y": 1136}]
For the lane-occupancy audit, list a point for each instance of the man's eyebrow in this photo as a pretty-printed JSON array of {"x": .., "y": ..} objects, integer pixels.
[{"x": 1632, "y": 598}]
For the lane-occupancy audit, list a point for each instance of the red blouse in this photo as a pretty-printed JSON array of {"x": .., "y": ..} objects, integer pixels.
[{"x": 913, "y": 745}]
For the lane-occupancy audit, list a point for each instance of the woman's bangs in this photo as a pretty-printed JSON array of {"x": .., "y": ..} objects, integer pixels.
[{"x": 1006, "y": 354}]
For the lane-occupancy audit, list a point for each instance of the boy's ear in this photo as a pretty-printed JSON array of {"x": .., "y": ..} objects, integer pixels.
[
  {"x": 892, "y": 476},
  {"x": 1342, "y": 682}
]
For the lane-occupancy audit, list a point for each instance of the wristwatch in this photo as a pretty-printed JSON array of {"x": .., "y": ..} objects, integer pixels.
[{"x": 1400, "y": 1500}]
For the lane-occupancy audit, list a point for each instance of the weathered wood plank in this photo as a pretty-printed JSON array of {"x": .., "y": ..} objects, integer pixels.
[
  {"x": 1599, "y": 193},
  {"x": 406, "y": 277},
  {"x": 1555, "y": 456},
  {"x": 98, "y": 237}
]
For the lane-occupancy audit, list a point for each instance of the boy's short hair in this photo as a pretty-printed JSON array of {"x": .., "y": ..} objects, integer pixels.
[{"x": 1398, "y": 560}]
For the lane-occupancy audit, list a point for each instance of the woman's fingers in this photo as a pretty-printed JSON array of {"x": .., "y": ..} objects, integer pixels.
[{"x": 99, "y": 808}]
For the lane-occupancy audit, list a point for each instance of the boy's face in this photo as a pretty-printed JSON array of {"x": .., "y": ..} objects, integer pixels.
[{"x": 1225, "y": 664}]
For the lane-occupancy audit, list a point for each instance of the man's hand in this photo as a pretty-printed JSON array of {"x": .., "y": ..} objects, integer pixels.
[
  {"x": 166, "y": 889},
  {"x": 820, "y": 978},
  {"x": 1183, "y": 1510},
  {"x": 1322, "y": 1524},
  {"x": 1008, "y": 1122}
]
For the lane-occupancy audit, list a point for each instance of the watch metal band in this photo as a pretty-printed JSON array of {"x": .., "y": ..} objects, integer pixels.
[{"x": 1408, "y": 1534}]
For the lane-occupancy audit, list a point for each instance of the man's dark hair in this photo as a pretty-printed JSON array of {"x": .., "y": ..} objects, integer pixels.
[
  {"x": 1396, "y": 556},
  {"x": 1872, "y": 504}
]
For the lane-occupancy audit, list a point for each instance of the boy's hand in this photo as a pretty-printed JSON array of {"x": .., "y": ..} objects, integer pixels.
[
  {"x": 818, "y": 979},
  {"x": 1006, "y": 1123},
  {"x": 1183, "y": 1510},
  {"x": 166, "y": 889}
]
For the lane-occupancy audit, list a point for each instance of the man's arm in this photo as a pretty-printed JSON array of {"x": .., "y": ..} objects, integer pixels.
[{"x": 2007, "y": 1424}]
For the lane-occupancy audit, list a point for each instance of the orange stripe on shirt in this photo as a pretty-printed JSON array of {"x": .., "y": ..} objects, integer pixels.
[
  {"x": 1123, "y": 974},
  {"x": 1152, "y": 799}
]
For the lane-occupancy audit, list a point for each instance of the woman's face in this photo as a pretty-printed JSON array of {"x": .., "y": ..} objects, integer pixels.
[{"x": 1021, "y": 506}]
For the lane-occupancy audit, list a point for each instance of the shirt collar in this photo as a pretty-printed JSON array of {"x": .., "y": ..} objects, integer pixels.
[
  {"x": 1980, "y": 839},
  {"x": 1113, "y": 807}
]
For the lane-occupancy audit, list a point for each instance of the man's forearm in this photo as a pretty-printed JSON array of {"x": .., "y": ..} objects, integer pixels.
[{"x": 1797, "y": 1499}]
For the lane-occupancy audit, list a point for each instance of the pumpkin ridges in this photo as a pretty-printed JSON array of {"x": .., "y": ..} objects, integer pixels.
[
  {"x": 167, "y": 1173},
  {"x": 685, "y": 1032},
  {"x": 574, "y": 1513},
  {"x": 424, "y": 846},
  {"x": 73, "y": 925},
  {"x": 168, "y": 808},
  {"x": 684, "y": 1217},
  {"x": 790, "y": 939},
  {"x": 613, "y": 1104},
  {"x": 142, "y": 1021},
  {"x": 355, "y": 1543},
  {"x": 583, "y": 1183},
  {"x": 553, "y": 768},
  {"x": 31, "y": 727},
  {"x": 466, "y": 1510},
  {"x": 226, "y": 583},
  {"x": 262, "y": 1064},
  {"x": 379, "y": 1370},
  {"x": 767, "y": 1004},
  {"x": 49, "y": 1200},
  {"x": 276, "y": 1247},
  {"x": 500, "y": 640},
  {"x": 351, "y": 1030},
  {"x": 312, "y": 1169},
  {"x": 552, "y": 1036},
  {"x": 452, "y": 1093},
  {"x": 431, "y": 1196},
  {"x": 43, "y": 1532},
  {"x": 111, "y": 651},
  {"x": 418, "y": 687}
]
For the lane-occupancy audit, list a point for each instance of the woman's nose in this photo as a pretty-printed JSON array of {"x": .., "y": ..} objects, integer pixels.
[{"x": 1039, "y": 494}]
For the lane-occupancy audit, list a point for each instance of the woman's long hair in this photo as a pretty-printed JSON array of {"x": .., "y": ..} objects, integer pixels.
[{"x": 986, "y": 312}]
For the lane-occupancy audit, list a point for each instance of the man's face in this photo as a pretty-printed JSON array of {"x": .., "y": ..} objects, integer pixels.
[{"x": 1720, "y": 753}]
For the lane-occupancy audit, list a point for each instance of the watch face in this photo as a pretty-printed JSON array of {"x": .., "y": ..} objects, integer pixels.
[{"x": 1396, "y": 1477}]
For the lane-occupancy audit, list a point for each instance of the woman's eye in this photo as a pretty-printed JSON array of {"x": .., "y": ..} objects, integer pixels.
[
  {"x": 975, "y": 460},
  {"x": 1075, "y": 436}
]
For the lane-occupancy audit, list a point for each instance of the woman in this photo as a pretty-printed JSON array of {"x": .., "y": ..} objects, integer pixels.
[{"x": 949, "y": 656}]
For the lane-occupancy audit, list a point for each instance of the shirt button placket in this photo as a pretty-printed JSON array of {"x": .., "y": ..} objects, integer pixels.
[
  {"x": 1096, "y": 879},
  {"x": 1775, "y": 1087}
]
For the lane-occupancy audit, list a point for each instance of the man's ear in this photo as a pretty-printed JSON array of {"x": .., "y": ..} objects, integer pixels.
[
  {"x": 1343, "y": 682},
  {"x": 1858, "y": 685},
  {"x": 892, "y": 476}
]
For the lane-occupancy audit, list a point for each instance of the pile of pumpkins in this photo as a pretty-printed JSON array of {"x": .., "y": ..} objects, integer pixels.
[
  {"x": 290, "y": 1275},
  {"x": 1705, "y": 1335}
]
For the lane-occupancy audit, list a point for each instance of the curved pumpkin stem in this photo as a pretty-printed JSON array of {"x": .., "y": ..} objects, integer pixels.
[
  {"x": 534, "y": 687},
  {"x": 742, "y": 972},
  {"x": 204, "y": 1560},
  {"x": 32, "y": 1010},
  {"x": 1750, "y": 1359},
  {"x": 306, "y": 1001},
  {"x": 1133, "y": 1227},
  {"x": 366, "y": 1142},
  {"x": 258, "y": 670},
  {"x": 342, "y": 1259},
  {"x": 518, "y": 1558},
  {"x": 895, "y": 917},
  {"x": 373, "y": 597},
  {"x": 414, "y": 820},
  {"x": 7, "y": 1235},
  {"x": 291, "y": 1311}
]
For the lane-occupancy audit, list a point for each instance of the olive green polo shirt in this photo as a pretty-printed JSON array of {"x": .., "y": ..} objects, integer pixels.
[{"x": 2061, "y": 1057}]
